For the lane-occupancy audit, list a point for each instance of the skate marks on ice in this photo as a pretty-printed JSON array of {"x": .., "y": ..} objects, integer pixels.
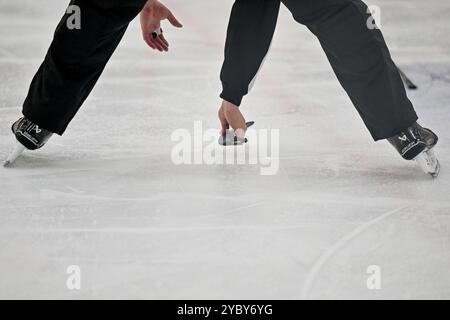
[
  {"x": 47, "y": 194},
  {"x": 327, "y": 255},
  {"x": 161, "y": 230}
]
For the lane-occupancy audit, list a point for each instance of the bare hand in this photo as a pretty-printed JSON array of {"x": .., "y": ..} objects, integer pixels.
[
  {"x": 151, "y": 16},
  {"x": 231, "y": 116}
]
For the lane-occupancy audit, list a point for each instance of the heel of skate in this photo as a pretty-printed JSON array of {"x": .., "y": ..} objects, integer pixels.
[
  {"x": 18, "y": 150},
  {"x": 429, "y": 163}
]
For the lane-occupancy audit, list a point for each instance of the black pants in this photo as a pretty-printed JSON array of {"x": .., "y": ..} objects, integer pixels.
[
  {"x": 76, "y": 59},
  {"x": 358, "y": 55}
]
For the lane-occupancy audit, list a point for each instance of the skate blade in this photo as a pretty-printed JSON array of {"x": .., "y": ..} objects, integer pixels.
[
  {"x": 18, "y": 150},
  {"x": 428, "y": 162},
  {"x": 438, "y": 170}
]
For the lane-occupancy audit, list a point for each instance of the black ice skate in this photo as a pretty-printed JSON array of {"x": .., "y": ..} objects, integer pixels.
[
  {"x": 29, "y": 136},
  {"x": 417, "y": 143}
]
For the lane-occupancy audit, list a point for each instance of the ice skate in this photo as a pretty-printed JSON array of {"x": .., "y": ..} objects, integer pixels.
[
  {"x": 231, "y": 139},
  {"x": 29, "y": 136},
  {"x": 417, "y": 143}
]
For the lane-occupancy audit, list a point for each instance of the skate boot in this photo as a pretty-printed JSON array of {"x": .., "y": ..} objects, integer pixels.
[
  {"x": 417, "y": 143},
  {"x": 29, "y": 136}
]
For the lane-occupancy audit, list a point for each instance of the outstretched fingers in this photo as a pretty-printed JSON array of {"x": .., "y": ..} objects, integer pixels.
[
  {"x": 157, "y": 43},
  {"x": 174, "y": 21}
]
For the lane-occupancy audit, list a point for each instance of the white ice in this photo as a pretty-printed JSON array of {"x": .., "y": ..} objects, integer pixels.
[{"x": 107, "y": 197}]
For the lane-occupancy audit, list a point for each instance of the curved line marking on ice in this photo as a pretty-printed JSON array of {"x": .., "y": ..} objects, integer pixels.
[{"x": 337, "y": 246}]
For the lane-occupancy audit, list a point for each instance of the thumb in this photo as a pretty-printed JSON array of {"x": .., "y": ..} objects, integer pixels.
[{"x": 174, "y": 20}]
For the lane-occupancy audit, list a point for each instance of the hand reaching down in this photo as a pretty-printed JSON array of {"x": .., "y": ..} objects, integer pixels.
[{"x": 151, "y": 16}]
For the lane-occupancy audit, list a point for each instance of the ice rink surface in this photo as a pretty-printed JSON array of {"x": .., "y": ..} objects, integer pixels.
[{"x": 107, "y": 197}]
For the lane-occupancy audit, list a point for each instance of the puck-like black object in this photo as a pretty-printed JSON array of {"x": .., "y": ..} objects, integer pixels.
[
  {"x": 230, "y": 138},
  {"x": 157, "y": 33}
]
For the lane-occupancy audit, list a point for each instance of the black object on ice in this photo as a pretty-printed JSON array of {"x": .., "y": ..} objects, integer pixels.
[
  {"x": 406, "y": 80},
  {"x": 231, "y": 139}
]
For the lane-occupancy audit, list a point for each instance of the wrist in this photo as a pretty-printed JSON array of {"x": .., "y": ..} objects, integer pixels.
[{"x": 151, "y": 3}]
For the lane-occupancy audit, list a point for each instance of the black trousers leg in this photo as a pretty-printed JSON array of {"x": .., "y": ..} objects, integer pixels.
[
  {"x": 361, "y": 60},
  {"x": 75, "y": 61}
]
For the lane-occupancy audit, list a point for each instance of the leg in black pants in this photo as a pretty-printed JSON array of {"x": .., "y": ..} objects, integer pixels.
[
  {"x": 361, "y": 60},
  {"x": 75, "y": 61}
]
